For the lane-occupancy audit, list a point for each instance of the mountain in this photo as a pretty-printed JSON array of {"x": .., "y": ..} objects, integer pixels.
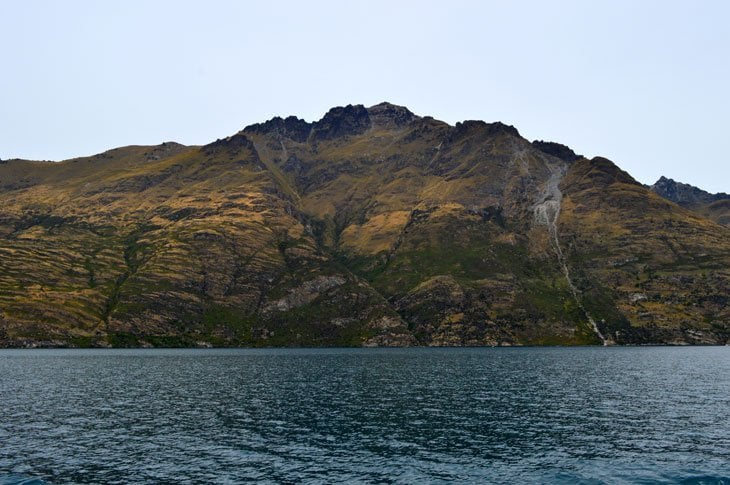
[
  {"x": 371, "y": 226},
  {"x": 712, "y": 206}
]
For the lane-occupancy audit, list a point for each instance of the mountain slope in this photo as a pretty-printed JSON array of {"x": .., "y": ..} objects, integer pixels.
[
  {"x": 371, "y": 226},
  {"x": 712, "y": 206}
]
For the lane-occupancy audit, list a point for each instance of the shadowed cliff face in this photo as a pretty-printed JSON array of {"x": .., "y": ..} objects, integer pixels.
[{"x": 371, "y": 226}]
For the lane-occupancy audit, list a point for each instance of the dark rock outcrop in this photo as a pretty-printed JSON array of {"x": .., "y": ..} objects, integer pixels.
[
  {"x": 712, "y": 206},
  {"x": 478, "y": 128},
  {"x": 390, "y": 115},
  {"x": 556, "y": 150},
  {"x": 231, "y": 144},
  {"x": 290, "y": 127},
  {"x": 685, "y": 194},
  {"x": 342, "y": 121}
]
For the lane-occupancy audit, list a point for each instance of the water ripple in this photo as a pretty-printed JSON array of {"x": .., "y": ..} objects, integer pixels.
[{"x": 576, "y": 415}]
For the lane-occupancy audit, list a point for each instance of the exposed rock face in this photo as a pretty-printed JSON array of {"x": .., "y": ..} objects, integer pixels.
[
  {"x": 371, "y": 226},
  {"x": 684, "y": 194},
  {"x": 477, "y": 127},
  {"x": 390, "y": 115},
  {"x": 231, "y": 145},
  {"x": 305, "y": 293},
  {"x": 557, "y": 150},
  {"x": 290, "y": 127},
  {"x": 390, "y": 332},
  {"x": 341, "y": 122},
  {"x": 713, "y": 206}
]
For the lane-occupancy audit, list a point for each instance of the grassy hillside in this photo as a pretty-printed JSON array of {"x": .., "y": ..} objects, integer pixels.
[{"x": 369, "y": 227}]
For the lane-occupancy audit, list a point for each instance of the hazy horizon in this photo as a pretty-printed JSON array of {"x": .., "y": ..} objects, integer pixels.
[{"x": 642, "y": 84}]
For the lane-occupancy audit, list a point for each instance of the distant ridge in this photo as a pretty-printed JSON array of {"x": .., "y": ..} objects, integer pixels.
[{"x": 713, "y": 206}]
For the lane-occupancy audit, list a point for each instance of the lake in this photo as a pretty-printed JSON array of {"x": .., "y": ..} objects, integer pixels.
[{"x": 556, "y": 415}]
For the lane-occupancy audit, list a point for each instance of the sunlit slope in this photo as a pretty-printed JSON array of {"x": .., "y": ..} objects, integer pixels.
[
  {"x": 666, "y": 269},
  {"x": 199, "y": 246}
]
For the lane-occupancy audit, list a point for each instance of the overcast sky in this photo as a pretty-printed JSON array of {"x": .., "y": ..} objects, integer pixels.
[{"x": 644, "y": 83}]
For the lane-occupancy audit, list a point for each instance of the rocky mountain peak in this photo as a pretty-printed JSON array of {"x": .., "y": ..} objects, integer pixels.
[
  {"x": 342, "y": 121},
  {"x": 387, "y": 114},
  {"x": 290, "y": 127},
  {"x": 714, "y": 206},
  {"x": 667, "y": 188},
  {"x": 682, "y": 193},
  {"x": 477, "y": 127},
  {"x": 556, "y": 150}
]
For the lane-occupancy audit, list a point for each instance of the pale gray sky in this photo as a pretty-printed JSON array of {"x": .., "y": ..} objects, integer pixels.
[{"x": 644, "y": 83}]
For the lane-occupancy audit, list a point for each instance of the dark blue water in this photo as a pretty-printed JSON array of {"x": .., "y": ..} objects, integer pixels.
[{"x": 567, "y": 415}]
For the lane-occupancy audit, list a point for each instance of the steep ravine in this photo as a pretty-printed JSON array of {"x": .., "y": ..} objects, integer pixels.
[{"x": 547, "y": 212}]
